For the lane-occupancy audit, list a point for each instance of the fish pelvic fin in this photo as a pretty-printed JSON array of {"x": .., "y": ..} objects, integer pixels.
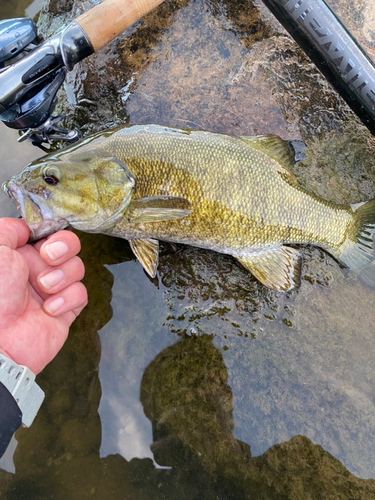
[
  {"x": 358, "y": 250},
  {"x": 272, "y": 145},
  {"x": 278, "y": 269},
  {"x": 147, "y": 252},
  {"x": 158, "y": 209}
]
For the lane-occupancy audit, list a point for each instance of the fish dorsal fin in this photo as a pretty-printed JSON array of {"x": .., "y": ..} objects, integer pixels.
[
  {"x": 278, "y": 269},
  {"x": 157, "y": 209},
  {"x": 147, "y": 252},
  {"x": 272, "y": 145},
  {"x": 355, "y": 206}
]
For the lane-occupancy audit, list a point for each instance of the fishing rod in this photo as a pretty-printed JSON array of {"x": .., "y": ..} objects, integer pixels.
[
  {"x": 334, "y": 51},
  {"x": 28, "y": 86},
  {"x": 32, "y": 71}
]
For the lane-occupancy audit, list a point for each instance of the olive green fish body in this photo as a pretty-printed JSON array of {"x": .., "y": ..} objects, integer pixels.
[
  {"x": 234, "y": 195},
  {"x": 240, "y": 197}
]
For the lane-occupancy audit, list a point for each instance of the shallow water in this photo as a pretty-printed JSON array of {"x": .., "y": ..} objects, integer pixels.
[{"x": 202, "y": 383}]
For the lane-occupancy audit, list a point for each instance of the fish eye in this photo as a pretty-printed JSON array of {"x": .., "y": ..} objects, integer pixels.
[{"x": 51, "y": 175}]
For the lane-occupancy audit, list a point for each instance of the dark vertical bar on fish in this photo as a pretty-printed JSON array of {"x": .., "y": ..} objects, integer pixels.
[{"x": 333, "y": 50}]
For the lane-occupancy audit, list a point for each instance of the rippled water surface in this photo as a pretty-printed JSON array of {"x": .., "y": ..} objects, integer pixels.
[{"x": 201, "y": 383}]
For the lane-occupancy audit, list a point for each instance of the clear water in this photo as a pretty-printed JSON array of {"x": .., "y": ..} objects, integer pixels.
[{"x": 202, "y": 384}]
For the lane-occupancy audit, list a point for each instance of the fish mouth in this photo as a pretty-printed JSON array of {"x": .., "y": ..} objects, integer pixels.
[
  {"x": 38, "y": 217},
  {"x": 14, "y": 193}
]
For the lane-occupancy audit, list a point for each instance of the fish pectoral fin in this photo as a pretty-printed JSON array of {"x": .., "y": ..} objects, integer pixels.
[
  {"x": 147, "y": 252},
  {"x": 272, "y": 145},
  {"x": 279, "y": 269},
  {"x": 158, "y": 209}
]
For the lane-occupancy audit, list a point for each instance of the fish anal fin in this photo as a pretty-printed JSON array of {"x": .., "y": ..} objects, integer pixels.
[
  {"x": 147, "y": 252},
  {"x": 158, "y": 209},
  {"x": 272, "y": 145},
  {"x": 278, "y": 269}
]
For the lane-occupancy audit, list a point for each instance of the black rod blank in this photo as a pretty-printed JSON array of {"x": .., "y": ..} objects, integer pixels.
[{"x": 333, "y": 50}]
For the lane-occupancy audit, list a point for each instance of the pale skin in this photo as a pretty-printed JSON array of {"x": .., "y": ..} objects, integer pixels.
[{"x": 40, "y": 293}]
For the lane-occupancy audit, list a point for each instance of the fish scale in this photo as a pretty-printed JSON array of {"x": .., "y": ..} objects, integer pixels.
[
  {"x": 227, "y": 181},
  {"x": 234, "y": 195}
]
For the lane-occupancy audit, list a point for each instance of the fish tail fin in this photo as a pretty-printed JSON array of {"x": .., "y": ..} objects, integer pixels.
[{"x": 358, "y": 249}]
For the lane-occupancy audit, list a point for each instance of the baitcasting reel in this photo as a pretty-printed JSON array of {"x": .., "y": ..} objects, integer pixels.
[
  {"x": 31, "y": 73},
  {"x": 33, "y": 70}
]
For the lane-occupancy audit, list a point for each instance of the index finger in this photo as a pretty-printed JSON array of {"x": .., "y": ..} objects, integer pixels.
[
  {"x": 59, "y": 247},
  {"x": 14, "y": 233}
]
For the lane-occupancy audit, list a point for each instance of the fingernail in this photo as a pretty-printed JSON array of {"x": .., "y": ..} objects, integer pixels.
[
  {"x": 54, "y": 305},
  {"x": 51, "y": 279},
  {"x": 56, "y": 249}
]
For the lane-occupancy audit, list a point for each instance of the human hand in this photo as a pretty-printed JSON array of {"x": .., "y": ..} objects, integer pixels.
[{"x": 40, "y": 293}]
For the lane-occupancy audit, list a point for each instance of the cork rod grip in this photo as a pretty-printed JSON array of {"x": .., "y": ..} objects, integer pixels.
[{"x": 106, "y": 21}]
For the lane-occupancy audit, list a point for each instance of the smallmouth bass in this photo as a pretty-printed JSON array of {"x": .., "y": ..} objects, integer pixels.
[{"x": 234, "y": 195}]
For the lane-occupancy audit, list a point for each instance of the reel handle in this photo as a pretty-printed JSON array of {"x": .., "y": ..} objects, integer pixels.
[{"x": 104, "y": 22}]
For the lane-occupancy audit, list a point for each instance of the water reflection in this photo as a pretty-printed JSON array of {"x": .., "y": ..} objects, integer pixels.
[
  {"x": 14, "y": 157},
  {"x": 186, "y": 396},
  {"x": 18, "y": 8}
]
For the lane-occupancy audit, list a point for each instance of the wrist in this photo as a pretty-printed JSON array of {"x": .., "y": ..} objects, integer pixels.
[
  {"x": 28, "y": 360},
  {"x": 20, "y": 382},
  {"x": 7, "y": 355}
]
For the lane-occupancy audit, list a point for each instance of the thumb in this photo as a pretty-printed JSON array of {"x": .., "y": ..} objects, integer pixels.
[
  {"x": 14, "y": 233},
  {"x": 14, "y": 272}
]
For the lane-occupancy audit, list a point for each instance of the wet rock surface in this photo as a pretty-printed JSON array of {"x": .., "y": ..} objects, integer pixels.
[{"x": 224, "y": 363}]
